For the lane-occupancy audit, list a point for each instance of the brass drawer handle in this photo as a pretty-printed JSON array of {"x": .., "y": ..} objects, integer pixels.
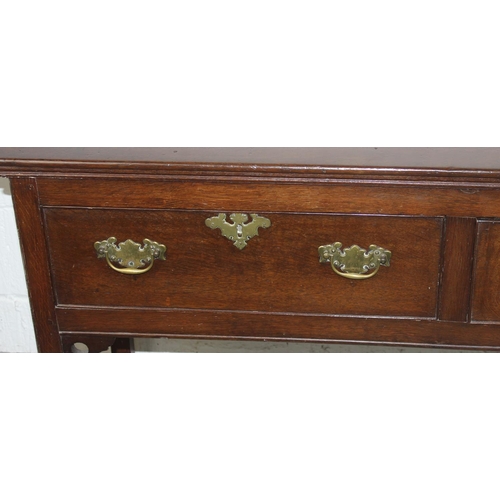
[
  {"x": 241, "y": 230},
  {"x": 355, "y": 262},
  {"x": 130, "y": 255}
]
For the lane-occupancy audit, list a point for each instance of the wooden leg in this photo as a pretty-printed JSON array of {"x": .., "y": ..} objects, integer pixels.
[
  {"x": 36, "y": 263},
  {"x": 123, "y": 345}
]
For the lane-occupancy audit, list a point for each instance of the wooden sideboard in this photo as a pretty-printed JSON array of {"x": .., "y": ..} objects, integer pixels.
[{"x": 395, "y": 246}]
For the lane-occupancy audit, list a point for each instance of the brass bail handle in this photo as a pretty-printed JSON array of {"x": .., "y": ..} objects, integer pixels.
[
  {"x": 355, "y": 262},
  {"x": 130, "y": 257}
]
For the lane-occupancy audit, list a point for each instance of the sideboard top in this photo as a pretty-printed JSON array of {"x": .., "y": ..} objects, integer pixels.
[
  {"x": 386, "y": 164},
  {"x": 480, "y": 158}
]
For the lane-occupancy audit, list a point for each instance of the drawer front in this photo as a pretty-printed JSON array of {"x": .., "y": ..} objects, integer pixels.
[
  {"x": 278, "y": 271},
  {"x": 486, "y": 286}
]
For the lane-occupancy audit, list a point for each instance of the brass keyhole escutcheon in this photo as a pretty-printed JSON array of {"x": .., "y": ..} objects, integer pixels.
[{"x": 240, "y": 231}]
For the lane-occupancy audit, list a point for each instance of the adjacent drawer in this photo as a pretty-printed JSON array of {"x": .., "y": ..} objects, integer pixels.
[
  {"x": 486, "y": 287},
  {"x": 278, "y": 271}
]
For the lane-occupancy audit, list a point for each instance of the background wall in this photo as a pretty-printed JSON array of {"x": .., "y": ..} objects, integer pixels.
[{"x": 16, "y": 326}]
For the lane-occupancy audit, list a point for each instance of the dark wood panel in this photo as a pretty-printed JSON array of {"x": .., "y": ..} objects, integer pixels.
[
  {"x": 36, "y": 263},
  {"x": 394, "y": 197},
  {"x": 458, "y": 253},
  {"x": 356, "y": 199},
  {"x": 486, "y": 296},
  {"x": 279, "y": 270},
  {"x": 231, "y": 325}
]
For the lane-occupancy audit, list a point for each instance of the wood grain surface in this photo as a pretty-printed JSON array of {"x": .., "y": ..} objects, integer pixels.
[
  {"x": 458, "y": 255},
  {"x": 436, "y": 209},
  {"x": 286, "y": 327},
  {"x": 36, "y": 263},
  {"x": 279, "y": 270},
  {"x": 249, "y": 195},
  {"x": 486, "y": 295}
]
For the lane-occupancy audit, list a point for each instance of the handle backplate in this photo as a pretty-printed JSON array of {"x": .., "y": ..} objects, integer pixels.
[
  {"x": 355, "y": 262},
  {"x": 130, "y": 257}
]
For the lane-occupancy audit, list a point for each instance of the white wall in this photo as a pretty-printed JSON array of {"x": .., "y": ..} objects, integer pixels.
[{"x": 16, "y": 326}]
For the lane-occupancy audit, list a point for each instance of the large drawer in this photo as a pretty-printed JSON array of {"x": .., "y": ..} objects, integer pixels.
[{"x": 278, "y": 271}]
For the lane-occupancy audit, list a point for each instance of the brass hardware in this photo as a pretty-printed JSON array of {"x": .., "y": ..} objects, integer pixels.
[
  {"x": 241, "y": 231},
  {"x": 130, "y": 255},
  {"x": 355, "y": 262}
]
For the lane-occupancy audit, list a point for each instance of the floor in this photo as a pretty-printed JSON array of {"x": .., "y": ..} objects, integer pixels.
[{"x": 220, "y": 346}]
